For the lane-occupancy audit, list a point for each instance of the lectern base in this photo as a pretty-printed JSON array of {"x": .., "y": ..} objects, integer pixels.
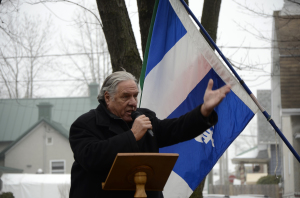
[{"x": 140, "y": 179}]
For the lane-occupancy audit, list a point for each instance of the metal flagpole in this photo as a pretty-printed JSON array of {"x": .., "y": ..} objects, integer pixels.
[{"x": 268, "y": 117}]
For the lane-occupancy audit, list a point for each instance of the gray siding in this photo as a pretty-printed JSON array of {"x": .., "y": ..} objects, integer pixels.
[
  {"x": 272, "y": 163},
  {"x": 266, "y": 133}
]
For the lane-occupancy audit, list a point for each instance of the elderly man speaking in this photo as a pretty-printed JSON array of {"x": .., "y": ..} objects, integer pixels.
[{"x": 97, "y": 136}]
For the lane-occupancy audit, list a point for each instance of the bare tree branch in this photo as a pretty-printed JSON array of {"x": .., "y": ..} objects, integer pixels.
[
  {"x": 57, "y": 1},
  {"x": 27, "y": 36}
]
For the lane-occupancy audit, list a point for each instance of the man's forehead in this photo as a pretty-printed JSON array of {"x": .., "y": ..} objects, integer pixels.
[
  {"x": 127, "y": 87},
  {"x": 129, "y": 91}
]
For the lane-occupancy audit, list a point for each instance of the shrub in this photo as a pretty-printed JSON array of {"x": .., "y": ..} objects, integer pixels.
[
  {"x": 7, "y": 195},
  {"x": 269, "y": 179}
]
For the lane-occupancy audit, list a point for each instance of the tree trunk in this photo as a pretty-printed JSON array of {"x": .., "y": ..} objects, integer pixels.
[
  {"x": 145, "y": 8},
  {"x": 119, "y": 36},
  {"x": 198, "y": 192},
  {"x": 210, "y": 17}
]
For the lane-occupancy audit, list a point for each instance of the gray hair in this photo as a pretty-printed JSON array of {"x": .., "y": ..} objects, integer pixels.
[{"x": 110, "y": 83}]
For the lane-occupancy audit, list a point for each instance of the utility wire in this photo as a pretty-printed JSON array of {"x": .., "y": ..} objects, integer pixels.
[
  {"x": 106, "y": 52},
  {"x": 52, "y": 55},
  {"x": 79, "y": 79}
]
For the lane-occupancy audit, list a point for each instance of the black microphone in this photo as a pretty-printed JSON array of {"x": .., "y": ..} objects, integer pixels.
[{"x": 136, "y": 114}]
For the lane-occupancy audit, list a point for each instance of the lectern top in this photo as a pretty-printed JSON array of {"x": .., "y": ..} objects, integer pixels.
[{"x": 158, "y": 167}]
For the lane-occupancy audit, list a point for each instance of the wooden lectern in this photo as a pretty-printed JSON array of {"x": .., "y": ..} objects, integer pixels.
[{"x": 140, "y": 172}]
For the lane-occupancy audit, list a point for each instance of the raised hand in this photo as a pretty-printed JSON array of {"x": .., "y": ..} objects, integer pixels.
[{"x": 213, "y": 97}]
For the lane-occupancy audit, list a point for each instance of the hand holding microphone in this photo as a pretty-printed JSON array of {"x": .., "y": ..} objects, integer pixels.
[{"x": 141, "y": 125}]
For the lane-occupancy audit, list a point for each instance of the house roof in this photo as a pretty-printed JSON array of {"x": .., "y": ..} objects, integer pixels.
[
  {"x": 290, "y": 8},
  {"x": 258, "y": 154},
  {"x": 18, "y": 115},
  {"x": 4, "y": 169},
  {"x": 55, "y": 125}
]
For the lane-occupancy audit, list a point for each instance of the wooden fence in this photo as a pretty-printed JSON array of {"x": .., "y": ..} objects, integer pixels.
[{"x": 272, "y": 191}]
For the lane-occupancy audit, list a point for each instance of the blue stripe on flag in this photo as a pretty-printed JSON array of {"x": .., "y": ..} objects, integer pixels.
[
  {"x": 166, "y": 32},
  {"x": 233, "y": 116}
]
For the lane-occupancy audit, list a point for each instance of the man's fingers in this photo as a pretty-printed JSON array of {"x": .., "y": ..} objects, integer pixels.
[
  {"x": 143, "y": 118},
  {"x": 225, "y": 89},
  {"x": 145, "y": 122},
  {"x": 210, "y": 84},
  {"x": 140, "y": 126}
]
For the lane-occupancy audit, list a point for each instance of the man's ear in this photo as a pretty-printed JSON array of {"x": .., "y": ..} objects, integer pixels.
[{"x": 106, "y": 97}]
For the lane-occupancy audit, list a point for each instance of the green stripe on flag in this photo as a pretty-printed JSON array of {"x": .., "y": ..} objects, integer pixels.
[{"x": 142, "y": 76}]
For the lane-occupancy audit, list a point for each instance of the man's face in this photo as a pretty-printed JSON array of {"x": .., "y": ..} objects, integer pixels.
[{"x": 125, "y": 100}]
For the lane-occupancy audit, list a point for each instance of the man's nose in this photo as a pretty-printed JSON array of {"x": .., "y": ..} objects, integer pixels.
[{"x": 133, "y": 101}]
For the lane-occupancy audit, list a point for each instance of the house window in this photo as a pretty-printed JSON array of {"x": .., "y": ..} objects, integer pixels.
[
  {"x": 49, "y": 141},
  {"x": 57, "y": 166}
]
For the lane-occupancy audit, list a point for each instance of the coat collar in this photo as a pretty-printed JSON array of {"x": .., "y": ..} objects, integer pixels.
[
  {"x": 105, "y": 118},
  {"x": 103, "y": 115}
]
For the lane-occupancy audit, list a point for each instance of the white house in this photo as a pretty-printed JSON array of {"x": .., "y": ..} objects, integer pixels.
[{"x": 34, "y": 132}]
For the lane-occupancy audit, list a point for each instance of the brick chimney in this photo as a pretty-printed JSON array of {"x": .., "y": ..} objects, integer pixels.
[{"x": 93, "y": 93}]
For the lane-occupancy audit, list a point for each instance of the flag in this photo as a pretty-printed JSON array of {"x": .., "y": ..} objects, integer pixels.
[{"x": 178, "y": 64}]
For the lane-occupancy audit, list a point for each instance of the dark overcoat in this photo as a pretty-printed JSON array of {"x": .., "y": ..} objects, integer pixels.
[{"x": 97, "y": 136}]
